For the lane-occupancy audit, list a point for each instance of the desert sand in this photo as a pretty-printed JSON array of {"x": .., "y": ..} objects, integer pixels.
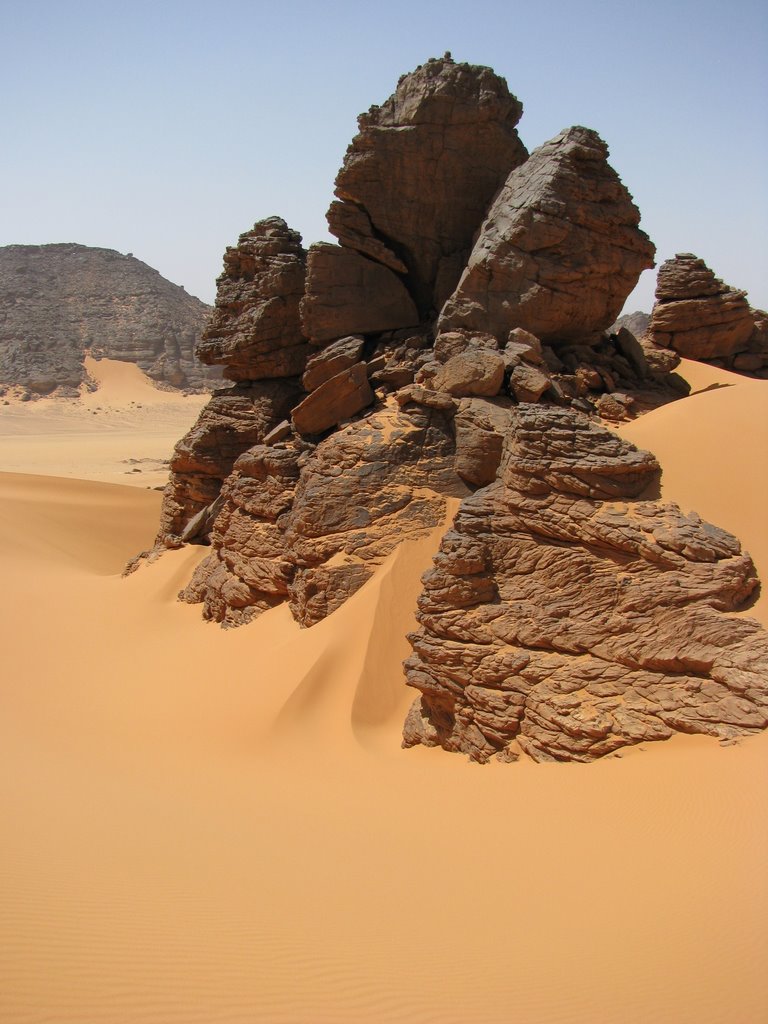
[{"x": 220, "y": 826}]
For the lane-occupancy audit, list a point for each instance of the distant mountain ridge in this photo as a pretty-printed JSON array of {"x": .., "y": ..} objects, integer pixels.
[{"x": 61, "y": 300}]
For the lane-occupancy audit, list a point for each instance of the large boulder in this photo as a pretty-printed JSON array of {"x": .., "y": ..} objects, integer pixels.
[
  {"x": 696, "y": 314},
  {"x": 559, "y": 251},
  {"x": 566, "y": 619},
  {"x": 255, "y": 330},
  {"x": 348, "y": 293},
  {"x": 419, "y": 176}
]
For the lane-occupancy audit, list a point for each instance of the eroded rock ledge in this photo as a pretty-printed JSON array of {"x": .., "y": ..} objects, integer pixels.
[{"x": 566, "y": 618}]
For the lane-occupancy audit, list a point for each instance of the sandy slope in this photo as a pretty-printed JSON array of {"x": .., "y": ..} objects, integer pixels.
[
  {"x": 220, "y": 826},
  {"x": 123, "y": 432}
]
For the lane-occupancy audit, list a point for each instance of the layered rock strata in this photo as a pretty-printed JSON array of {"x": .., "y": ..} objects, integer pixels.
[
  {"x": 698, "y": 316},
  {"x": 59, "y": 302},
  {"x": 255, "y": 331},
  {"x": 566, "y": 618},
  {"x": 559, "y": 251},
  {"x": 418, "y": 177},
  {"x": 308, "y": 524}
]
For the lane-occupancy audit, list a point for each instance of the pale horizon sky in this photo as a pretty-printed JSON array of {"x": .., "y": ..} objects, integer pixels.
[{"x": 166, "y": 129}]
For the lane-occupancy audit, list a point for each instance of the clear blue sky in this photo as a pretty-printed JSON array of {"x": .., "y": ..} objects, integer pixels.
[{"x": 166, "y": 128}]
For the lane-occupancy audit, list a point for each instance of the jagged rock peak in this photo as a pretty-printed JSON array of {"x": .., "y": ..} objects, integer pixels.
[
  {"x": 59, "y": 301},
  {"x": 564, "y": 623},
  {"x": 255, "y": 329},
  {"x": 419, "y": 176},
  {"x": 560, "y": 250}
]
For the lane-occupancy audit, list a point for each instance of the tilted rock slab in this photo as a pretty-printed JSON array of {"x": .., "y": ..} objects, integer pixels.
[
  {"x": 560, "y": 249},
  {"x": 255, "y": 329},
  {"x": 234, "y": 420},
  {"x": 348, "y": 293},
  {"x": 309, "y": 524},
  {"x": 565, "y": 619},
  {"x": 696, "y": 314},
  {"x": 419, "y": 176},
  {"x": 59, "y": 301}
]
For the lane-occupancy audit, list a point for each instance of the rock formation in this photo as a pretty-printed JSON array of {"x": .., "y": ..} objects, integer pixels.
[
  {"x": 418, "y": 178},
  {"x": 699, "y": 317},
  {"x": 565, "y": 618},
  {"x": 59, "y": 301},
  {"x": 254, "y": 331},
  {"x": 559, "y": 251}
]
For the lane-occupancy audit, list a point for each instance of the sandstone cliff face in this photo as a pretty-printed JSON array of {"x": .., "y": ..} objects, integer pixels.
[
  {"x": 566, "y": 619},
  {"x": 559, "y": 251},
  {"x": 59, "y": 301},
  {"x": 418, "y": 178},
  {"x": 699, "y": 317}
]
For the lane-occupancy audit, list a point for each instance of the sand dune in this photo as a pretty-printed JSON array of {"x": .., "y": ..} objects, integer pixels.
[
  {"x": 123, "y": 432},
  {"x": 220, "y": 826}
]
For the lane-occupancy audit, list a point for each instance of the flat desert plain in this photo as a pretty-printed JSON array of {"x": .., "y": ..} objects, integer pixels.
[{"x": 217, "y": 826}]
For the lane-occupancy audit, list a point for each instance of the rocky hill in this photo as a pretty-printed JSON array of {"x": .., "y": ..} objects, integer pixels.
[
  {"x": 457, "y": 343},
  {"x": 59, "y": 301}
]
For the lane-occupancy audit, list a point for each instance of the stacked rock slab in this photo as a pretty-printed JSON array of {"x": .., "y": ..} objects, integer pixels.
[
  {"x": 420, "y": 174},
  {"x": 566, "y": 619},
  {"x": 255, "y": 331},
  {"x": 559, "y": 251},
  {"x": 59, "y": 302},
  {"x": 308, "y": 523},
  {"x": 698, "y": 316},
  {"x": 255, "y": 334}
]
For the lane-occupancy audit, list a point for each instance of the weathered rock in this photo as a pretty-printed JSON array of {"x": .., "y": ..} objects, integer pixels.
[
  {"x": 476, "y": 371},
  {"x": 334, "y": 400},
  {"x": 350, "y": 294},
  {"x": 332, "y": 359},
  {"x": 58, "y": 302},
  {"x": 311, "y": 527},
  {"x": 560, "y": 250},
  {"x": 636, "y": 323},
  {"x": 235, "y": 419},
  {"x": 565, "y": 620},
  {"x": 696, "y": 314},
  {"x": 527, "y": 383},
  {"x": 255, "y": 330},
  {"x": 418, "y": 178},
  {"x": 480, "y": 426}
]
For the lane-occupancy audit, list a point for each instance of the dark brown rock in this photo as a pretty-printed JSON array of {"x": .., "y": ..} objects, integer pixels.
[
  {"x": 350, "y": 294},
  {"x": 59, "y": 302},
  {"x": 310, "y": 526},
  {"x": 528, "y": 383},
  {"x": 560, "y": 250},
  {"x": 480, "y": 426},
  {"x": 332, "y": 359},
  {"x": 254, "y": 330},
  {"x": 696, "y": 314},
  {"x": 423, "y": 170},
  {"x": 476, "y": 371},
  {"x": 565, "y": 620},
  {"x": 233, "y": 421},
  {"x": 334, "y": 400}
]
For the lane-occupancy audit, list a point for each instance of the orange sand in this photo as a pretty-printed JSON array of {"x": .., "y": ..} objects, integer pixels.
[{"x": 220, "y": 826}]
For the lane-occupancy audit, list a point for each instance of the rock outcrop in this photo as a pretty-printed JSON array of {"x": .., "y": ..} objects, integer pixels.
[
  {"x": 308, "y": 524},
  {"x": 559, "y": 251},
  {"x": 58, "y": 302},
  {"x": 699, "y": 317},
  {"x": 255, "y": 331},
  {"x": 418, "y": 178},
  {"x": 565, "y": 618}
]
